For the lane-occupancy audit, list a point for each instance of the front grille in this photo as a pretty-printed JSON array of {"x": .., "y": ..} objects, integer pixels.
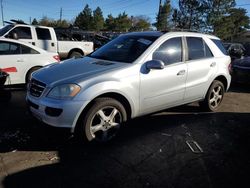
[{"x": 36, "y": 88}]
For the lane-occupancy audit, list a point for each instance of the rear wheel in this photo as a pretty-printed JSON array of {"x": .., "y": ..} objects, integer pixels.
[
  {"x": 75, "y": 54},
  {"x": 102, "y": 121},
  {"x": 214, "y": 96}
]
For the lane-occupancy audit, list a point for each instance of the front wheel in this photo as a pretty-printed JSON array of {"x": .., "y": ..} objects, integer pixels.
[
  {"x": 102, "y": 121},
  {"x": 214, "y": 96}
]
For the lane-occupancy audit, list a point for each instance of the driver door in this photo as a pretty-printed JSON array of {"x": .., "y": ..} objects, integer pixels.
[{"x": 164, "y": 88}]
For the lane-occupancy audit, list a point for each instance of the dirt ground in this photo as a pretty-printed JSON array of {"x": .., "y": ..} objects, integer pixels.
[{"x": 150, "y": 151}]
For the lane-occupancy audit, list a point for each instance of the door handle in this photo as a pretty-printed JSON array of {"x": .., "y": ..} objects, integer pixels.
[
  {"x": 182, "y": 72},
  {"x": 213, "y": 64},
  {"x": 53, "y": 44}
]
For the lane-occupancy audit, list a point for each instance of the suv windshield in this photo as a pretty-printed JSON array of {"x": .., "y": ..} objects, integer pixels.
[
  {"x": 126, "y": 48},
  {"x": 5, "y": 29}
]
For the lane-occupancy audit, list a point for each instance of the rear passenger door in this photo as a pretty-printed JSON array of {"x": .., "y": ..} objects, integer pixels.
[
  {"x": 201, "y": 68},
  {"x": 45, "y": 39}
]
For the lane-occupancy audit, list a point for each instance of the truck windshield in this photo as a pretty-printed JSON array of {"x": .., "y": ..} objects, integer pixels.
[
  {"x": 5, "y": 29},
  {"x": 126, "y": 48}
]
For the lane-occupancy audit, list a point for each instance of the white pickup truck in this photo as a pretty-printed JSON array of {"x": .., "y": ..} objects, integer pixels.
[{"x": 45, "y": 38}]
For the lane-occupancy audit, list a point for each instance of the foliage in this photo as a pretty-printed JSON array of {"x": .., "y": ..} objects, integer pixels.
[
  {"x": 189, "y": 15},
  {"x": 34, "y": 22},
  {"x": 45, "y": 21},
  {"x": 163, "y": 17},
  {"x": 84, "y": 20},
  {"x": 123, "y": 23},
  {"x": 98, "y": 20},
  {"x": 233, "y": 24},
  {"x": 110, "y": 23},
  {"x": 140, "y": 23}
]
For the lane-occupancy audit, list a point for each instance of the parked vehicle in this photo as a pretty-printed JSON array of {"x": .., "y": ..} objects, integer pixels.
[
  {"x": 235, "y": 50},
  {"x": 45, "y": 38},
  {"x": 20, "y": 59},
  {"x": 240, "y": 70},
  {"x": 77, "y": 34},
  {"x": 133, "y": 75},
  {"x": 5, "y": 95}
]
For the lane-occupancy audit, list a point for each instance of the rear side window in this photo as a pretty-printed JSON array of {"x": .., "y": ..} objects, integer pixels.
[
  {"x": 28, "y": 50},
  {"x": 170, "y": 51},
  {"x": 197, "y": 48},
  {"x": 7, "y": 48},
  {"x": 220, "y": 46},
  {"x": 43, "y": 34}
]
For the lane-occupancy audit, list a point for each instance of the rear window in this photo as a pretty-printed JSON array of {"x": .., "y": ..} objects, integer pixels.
[{"x": 220, "y": 46}]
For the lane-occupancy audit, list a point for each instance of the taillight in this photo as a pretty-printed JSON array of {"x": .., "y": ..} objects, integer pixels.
[{"x": 56, "y": 57}]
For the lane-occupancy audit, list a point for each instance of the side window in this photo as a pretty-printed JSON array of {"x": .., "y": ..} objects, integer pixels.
[
  {"x": 208, "y": 52},
  {"x": 219, "y": 44},
  {"x": 170, "y": 51},
  {"x": 7, "y": 48},
  {"x": 22, "y": 32},
  {"x": 28, "y": 50},
  {"x": 197, "y": 48},
  {"x": 43, "y": 34}
]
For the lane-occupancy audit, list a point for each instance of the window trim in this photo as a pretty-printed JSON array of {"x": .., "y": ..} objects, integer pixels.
[
  {"x": 13, "y": 30},
  {"x": 186, "y": 49},
  {"x": 182, "y": 50},
  {"x": 12, "y": 43}
]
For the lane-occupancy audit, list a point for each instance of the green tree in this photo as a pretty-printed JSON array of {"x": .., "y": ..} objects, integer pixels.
[
  {"x": 189, "y": 15},
  {"x": 84, "y": 20},
  {"x": 163, "y": 17},
  {"x": 216, "y": 11},
  {"x": 123, "y": 23},
  {"x": 45, "y": 21},
  {"x": 34, "y": 22},
  {"x": 98, "y": 20},
  {"x": 140, "y": 23},
  {"x": 233, "y": 24},
  {"x": 110, "y": 23}
]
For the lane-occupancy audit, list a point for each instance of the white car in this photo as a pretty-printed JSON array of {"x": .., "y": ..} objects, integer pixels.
[{"x": 20, "y": 59}]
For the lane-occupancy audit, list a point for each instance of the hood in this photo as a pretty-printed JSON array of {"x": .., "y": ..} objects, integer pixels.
[
  {"x": 74, "y": 70},
  {"x": 243, "y": 62}
]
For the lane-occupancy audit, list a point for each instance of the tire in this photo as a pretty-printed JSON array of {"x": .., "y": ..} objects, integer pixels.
[
  {"x": 102, "y": 121},
  {"x": 28, "y": 75},
  {"x": 75, "y": 54},
  {"x": 214, "y": 97}
]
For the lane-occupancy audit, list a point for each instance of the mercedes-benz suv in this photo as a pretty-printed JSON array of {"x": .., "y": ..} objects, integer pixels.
[{"x": 133, "y": 75}]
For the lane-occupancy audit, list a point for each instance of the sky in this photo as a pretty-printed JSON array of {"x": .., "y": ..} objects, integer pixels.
[{"x": 27, "y": 10}]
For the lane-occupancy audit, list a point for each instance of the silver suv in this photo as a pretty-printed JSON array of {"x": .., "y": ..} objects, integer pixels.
[{"x": 133, "y": 75}]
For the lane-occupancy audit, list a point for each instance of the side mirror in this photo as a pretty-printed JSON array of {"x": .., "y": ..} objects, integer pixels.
[{"x": 155, "y": 64}]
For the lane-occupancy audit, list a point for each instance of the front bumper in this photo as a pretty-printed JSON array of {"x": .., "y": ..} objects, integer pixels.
[{"x": 57, "y": 113}]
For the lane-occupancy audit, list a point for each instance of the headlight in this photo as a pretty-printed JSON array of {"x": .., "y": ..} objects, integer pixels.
[{"x": 65, "y": 91}]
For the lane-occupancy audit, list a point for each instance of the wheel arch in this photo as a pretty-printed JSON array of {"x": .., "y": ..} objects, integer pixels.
[
  {"x": 30, "y": 71},
  {"x": 224, "y": 81},
  {"x": 75, "y": 50},
  {"x": 117, "y": 96}
]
